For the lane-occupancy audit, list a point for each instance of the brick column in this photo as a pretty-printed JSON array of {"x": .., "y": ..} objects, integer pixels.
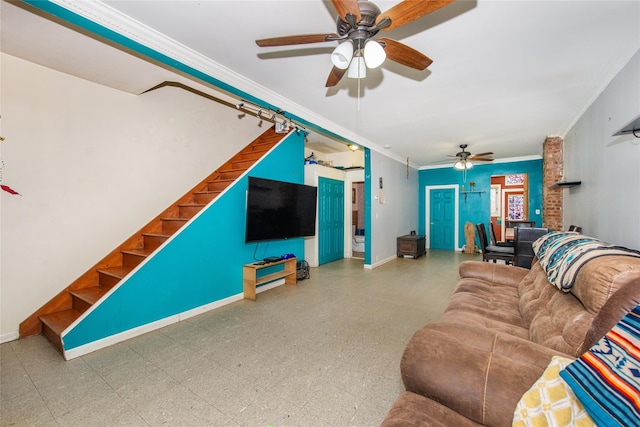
[{"x": 552, "y": 167}]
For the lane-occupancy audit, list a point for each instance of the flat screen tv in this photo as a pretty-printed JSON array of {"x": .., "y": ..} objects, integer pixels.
[{"x": 279, "y": 210}]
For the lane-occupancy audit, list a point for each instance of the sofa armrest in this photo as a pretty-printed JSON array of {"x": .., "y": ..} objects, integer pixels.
[
  {"x": 414, "y": 410},
  {"x": 479, "y": 373},
  {"x": 490, "y": 272}
]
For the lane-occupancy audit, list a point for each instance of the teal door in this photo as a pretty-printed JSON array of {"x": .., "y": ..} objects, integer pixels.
[
  {"x": 330, "y": 220},
  {"x": 442, "y": 221}
]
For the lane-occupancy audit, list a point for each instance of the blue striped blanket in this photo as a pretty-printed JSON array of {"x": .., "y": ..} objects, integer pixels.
[
  {"x": 562, "y": 254},
  {"x": 606, "y": 379}
]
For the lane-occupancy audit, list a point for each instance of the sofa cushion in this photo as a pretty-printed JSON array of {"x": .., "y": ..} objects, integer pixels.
[
  {"x": 476, "y": 372},
  {"x": 494, "y": 273},
  {"x": 491, "y": 300},
  {"x": 552, "y": 318},
  {"x": 602, "y": 277},
  {"x": 550, "y": 401},
  {"x": 534, "y": 293},
  {"x": 616, "y": 307},
  {"x": 487, "y": 296}
]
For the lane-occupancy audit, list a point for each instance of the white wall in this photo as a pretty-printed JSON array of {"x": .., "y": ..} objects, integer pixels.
[
  {"x": 398, "y": 215},
  {"x": 607, "y": 204},
  {"x": 345, "y": 159},
  {"x": 93, "y": 165}
]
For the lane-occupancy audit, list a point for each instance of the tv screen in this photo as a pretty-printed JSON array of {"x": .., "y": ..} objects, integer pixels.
[{"x": 279, "y": 210}]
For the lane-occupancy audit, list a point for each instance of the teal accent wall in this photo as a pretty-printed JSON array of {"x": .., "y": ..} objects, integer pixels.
[
  {"x": 202, "y": 264},
  {"x": 367, "y": 206},
  {"x": 476, "y": 208}
]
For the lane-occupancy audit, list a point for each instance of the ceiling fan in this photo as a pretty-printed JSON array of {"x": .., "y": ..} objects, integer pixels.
[
  {"x": 357, "y": 24},
  {"x": 464, "y": 159}
]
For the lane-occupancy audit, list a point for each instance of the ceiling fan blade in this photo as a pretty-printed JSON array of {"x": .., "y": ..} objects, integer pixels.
[
  {"x": 488, "y": 153},
  {"x": 346, "y": 7},
  {"x": 480, "y": 159},
  {"x": 405, "y": 55},
  {"x": 335, "y": 76},
  {"x": 410, "y": 10},
  {"x": 300, "y": 39}
]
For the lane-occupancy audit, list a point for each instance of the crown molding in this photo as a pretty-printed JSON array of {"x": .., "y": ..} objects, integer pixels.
[{"x": 183, "y": 59}]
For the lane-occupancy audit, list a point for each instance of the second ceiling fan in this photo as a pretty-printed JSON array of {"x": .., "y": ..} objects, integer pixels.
[
  {"x": 357, "y": 24},
  {"x": 463, "y": 159}
]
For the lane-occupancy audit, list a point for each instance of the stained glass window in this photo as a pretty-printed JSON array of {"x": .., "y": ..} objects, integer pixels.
[
  {"x": 514, "y": 179},
  {"x": 516, "y": 207}
]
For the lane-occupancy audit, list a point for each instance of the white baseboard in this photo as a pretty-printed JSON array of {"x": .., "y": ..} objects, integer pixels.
[
  {"x": 9, "y": 336},
  {"x": 379, "y": 263},
  {"x": 131, "y": 333}
]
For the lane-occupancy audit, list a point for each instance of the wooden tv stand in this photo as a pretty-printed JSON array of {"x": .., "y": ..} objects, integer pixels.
[{"x": 250, "y": 279}]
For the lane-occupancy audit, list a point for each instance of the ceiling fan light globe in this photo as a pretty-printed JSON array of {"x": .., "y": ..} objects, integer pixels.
[
  {"x": 341, "y": 55},
  {"x": 357, "y": 69},
  {"x": 374, "y": 54},
  {"x": 468, "y": 164},
  {"x": 459, "y": 165}
]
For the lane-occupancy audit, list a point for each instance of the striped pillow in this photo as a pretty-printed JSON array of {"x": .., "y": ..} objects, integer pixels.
[{"x": 606, "y": 379}]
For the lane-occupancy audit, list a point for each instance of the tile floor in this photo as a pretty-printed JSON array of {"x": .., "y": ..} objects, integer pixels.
[{"x": 323, "y": 353}]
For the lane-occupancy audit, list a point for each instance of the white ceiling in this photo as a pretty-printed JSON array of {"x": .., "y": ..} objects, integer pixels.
[{"x": 505, "y": 74}]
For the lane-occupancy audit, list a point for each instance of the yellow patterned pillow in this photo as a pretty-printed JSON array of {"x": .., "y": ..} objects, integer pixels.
[{"x": 551, "y": 402}]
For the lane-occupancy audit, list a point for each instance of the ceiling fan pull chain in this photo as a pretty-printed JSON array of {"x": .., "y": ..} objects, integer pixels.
[{"x": 359, "y": 94}]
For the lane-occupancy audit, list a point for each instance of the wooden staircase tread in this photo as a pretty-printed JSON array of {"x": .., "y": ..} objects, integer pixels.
[
  {"x": 232, "y": 170},
  {"x": 90, "y": 295},
  {"x": 175, "y": 219},
  {"x": 157, "y": 235},
  {"x": 219, "y": 180},
  {"x": 118, "y": 271},
  {"x": 59, "y": 320},
  {"x": 263, "y": 142},
  {"x": 208, "y": 192},
  {"x": 191, "y": 205},
  {"x": 140, "y": 252}
]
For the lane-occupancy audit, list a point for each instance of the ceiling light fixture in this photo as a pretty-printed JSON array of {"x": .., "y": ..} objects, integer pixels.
[
  {"x": 357, "y": 68},
  {"x": 374, "y": 54},
  {"x": 341, "y": 56},
  {"x": 463, "y": 164},
  {"x": 357, "y": 60}
]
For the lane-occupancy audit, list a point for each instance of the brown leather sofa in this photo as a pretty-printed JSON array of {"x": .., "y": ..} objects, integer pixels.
[{"x": 499, "y": 332}]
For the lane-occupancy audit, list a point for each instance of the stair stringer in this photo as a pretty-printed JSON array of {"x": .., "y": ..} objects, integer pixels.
[{"x": 197, "y": 269}]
